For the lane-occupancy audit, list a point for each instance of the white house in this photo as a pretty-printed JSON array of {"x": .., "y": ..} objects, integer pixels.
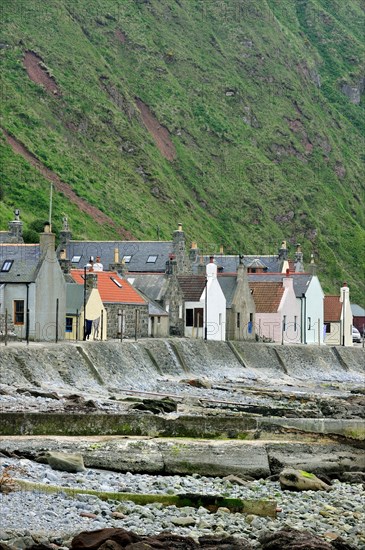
[
  {"x": 338, "y": 318},
  {"x": 204, "y": 305},
  {"x": 277, "y": 310}
]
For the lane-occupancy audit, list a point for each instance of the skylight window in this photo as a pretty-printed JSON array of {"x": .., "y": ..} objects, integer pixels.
[
  {"x": 7, "y": 266},
  {"x": 151, "y": 259},
  {"x": 127, "y": 259},
  {"x": 75, "y": 259},
  {"x": 116, "y": 282}
]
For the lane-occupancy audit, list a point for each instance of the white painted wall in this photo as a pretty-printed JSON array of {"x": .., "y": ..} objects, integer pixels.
[{"x": 313, "y": 318}]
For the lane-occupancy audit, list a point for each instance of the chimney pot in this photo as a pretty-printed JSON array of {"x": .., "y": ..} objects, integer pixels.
[
  {"x": 63, "y": 254},
  {"x": 179, "y": 227},
  {"x": 47, "y": 228},
  {"x": 194, "y": 245},
  {"x": 287, "y": 272},
  {"x": 116, "y": 255},
  {"x": 221, "y": 249}
]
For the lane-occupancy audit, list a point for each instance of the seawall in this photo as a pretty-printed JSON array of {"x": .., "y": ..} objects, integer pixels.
[{"x": 108, "y": 366}]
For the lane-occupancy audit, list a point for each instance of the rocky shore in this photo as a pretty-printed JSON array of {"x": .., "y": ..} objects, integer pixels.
[
  {"x": 31, "y": 516},
  {"x": 151, "y": 420}
]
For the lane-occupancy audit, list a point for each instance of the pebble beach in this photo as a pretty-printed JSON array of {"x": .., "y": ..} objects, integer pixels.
[{"x": 28, "y": 516}]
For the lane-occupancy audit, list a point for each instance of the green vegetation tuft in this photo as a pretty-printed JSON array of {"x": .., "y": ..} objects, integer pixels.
[{"x": 261, "y": 100}]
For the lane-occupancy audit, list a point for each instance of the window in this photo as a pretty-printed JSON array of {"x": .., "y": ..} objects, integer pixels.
[
  {"x": 7, "y": 265},
  {"x": 220, "y": 319},
  {"x": 18, "y": 312},
  {"x": 328, "y": 327},
  {"x": 189, "y": 317},
  {"x": 309, "y": 323},
  {"x": 238, "y": 322},
  {"x": 284, "y": 322},
  {"x": 151, "y": 259},
  {"x": 126, "y": 259},
  {"x": 116, "y": 282},
  {"x": 75, "y": 259},
  {"x": 69, "y": 323},
  {"x": 158, "y": 320},
  {"x": 295, "y": 322}
]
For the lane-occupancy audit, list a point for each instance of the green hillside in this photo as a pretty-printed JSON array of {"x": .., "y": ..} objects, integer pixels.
[{"x": 243, "y": 120}]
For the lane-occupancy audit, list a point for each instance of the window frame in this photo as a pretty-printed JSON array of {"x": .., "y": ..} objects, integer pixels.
[
  {"x": 6, "y": 267},
  {"x": 17, "y": 313},
  {"x": 149, "y": 259},
  {"x": 69, "y": 329}
]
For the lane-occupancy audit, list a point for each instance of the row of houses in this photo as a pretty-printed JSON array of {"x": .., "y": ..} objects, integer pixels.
[{"x": 130, "y": 289}]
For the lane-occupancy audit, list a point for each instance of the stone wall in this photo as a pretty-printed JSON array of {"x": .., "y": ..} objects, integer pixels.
[{"x": 129, "y": 320}]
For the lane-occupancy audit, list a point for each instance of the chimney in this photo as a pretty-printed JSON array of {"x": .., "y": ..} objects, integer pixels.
[
  {"x": 201, "y": 266},
  {"x": 178, "y": 248},
  {"x": 116, "y": 255},
  {"x": 16, "y": 229},
  {"x": 221, "y": 249},
  {"x": 47, "y": 242},
  {"x": 288, "y": 281},
  {"x": 298, "y": 261},
  {"x": 63, "y": 261},
  {"x": 283, "y": 252},
  {"x": 194, "y": 252},
  {"x": 91, "y": 281},
  {"x": 65, "y": 233},
  {"x": 211, "y": 268}
]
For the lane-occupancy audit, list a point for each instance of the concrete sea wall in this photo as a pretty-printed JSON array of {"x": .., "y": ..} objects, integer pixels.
[{"x": 108, "y": 366}]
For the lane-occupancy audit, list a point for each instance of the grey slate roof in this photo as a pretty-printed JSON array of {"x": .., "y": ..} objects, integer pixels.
[
  {"x": 138, "y": 250},
  {"x": 229, "y": 263},
  {"x": 301, "y": 281},
  {"x": 74, "y": 298},
  {"x": 152, "y": 285},
  {"x": 26, "y": 260},
  {"x": 357, "y": 311},
  {"x": 228, "y": 285}
]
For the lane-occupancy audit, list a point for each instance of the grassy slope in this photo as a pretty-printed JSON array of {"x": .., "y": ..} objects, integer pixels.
[{"x": 280, "y": 158}]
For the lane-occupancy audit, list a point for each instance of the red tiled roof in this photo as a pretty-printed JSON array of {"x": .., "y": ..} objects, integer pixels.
[
  {"x": 332, "y": 308},
  {"x": 192, "y": 286},
  {"x": 108, "y": 290},
  {"x": 267, "y": 296}
]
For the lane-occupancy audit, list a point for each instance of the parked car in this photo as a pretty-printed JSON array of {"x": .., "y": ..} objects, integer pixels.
[{"x": 356, "y": 336}]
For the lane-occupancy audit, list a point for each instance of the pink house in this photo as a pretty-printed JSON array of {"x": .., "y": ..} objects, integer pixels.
[{"x": 277, "y": 311}]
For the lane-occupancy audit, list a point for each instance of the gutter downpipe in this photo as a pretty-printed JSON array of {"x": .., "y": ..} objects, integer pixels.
[
  {"x": 304, "y": 318},
  {"x": 206, "y": 310},
  {"x": 27, "y": 317}
]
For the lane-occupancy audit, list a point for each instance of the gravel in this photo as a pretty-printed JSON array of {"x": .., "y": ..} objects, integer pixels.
[{"x": 57, "y": 517}]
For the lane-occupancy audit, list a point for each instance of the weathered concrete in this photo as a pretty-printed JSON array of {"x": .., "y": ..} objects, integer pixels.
[
  {"x": 187, "y": 456},
  {"x": 129, "y": 364},
  {"x": 137, "y": 423}
]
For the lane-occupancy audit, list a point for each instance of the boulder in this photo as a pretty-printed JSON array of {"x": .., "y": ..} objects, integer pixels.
[
  {"x": 65, "y": 462},
  {"x": 299, "y": 480},
  {"x": 291, "y": 539},
  {"x": 116, "y": 539}
]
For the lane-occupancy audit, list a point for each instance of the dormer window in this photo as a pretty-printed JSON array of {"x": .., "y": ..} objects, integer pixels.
[
  {"x": 5, "y": 268},
  {"x": 127, "y": 259},
  {"x": 151, "y": 259},
  {"x": 75, "y": 259}
]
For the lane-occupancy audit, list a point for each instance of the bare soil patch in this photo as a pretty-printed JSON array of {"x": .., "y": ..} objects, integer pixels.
[
  {"x": 160, "y": 134},
  {"x": 38, "y": 73},
  {"x": 65, "y": 188},
  {"x": 120, "y": 36}
]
